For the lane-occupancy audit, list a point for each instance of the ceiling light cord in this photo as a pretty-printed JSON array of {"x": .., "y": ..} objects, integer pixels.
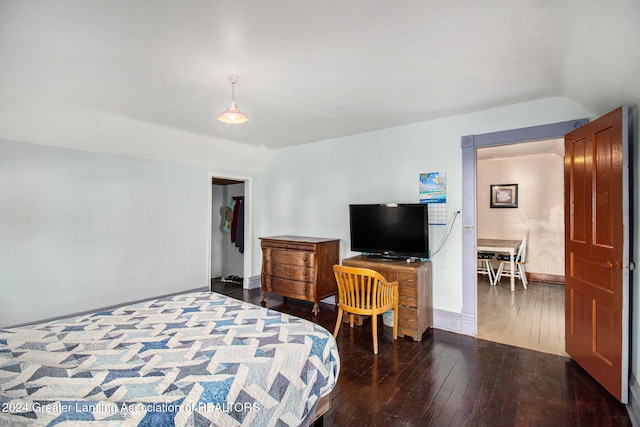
[{"x": 233, "y": 78}]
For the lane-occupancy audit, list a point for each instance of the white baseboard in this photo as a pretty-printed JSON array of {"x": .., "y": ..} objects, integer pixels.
[
  {"x": 468, "y": 321},
  {"x": 254, "y": 282},
  {"x": 633, "y": 407},
  {"x": 447, "y": 320},
  {"x": 331, "y": 300},
  {"x": 461, "y": 323}
]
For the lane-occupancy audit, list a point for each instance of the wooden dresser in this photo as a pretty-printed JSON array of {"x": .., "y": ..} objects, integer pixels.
[
  {"x": 414, "y": 287},
  {"x": 299, "y": 267}
]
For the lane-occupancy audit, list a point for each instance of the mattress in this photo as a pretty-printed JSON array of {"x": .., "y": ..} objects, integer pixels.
[{"x": 193, "y": 359}]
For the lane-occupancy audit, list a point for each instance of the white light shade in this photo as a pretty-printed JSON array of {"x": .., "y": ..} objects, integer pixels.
[{"x": 233, "y": 115}]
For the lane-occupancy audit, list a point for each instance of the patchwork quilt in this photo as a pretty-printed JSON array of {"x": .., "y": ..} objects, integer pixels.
[{"x": 194, "y": 359}]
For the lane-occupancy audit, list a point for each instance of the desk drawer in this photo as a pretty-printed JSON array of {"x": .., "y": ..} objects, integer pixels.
[
  {"x": 389, "y": 275},
  {"x": 408, "y": 322},
  {"x": 408, "y": 279},
  {"x": 408, "y": 317},
  {"x": 408, "y": 296},
  {"x": 284, "y": 256}
]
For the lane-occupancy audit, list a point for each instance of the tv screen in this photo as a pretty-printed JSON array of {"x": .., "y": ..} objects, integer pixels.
[{"x": 390, "y": 230}]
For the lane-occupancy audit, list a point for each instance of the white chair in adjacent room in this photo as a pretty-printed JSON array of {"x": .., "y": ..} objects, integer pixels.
[
  {"x": 485, "y": 267},
  {"x": 519, "y": 261}
]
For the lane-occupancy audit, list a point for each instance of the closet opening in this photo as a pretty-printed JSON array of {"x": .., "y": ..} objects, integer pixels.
[{"x": 229, "y": 260}]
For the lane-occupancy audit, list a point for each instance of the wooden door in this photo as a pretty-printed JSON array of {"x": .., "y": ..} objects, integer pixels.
[{"x": 596, "y": 250}]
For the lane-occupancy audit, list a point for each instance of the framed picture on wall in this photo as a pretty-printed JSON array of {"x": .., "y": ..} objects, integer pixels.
[{"x": 504, "y": 195}]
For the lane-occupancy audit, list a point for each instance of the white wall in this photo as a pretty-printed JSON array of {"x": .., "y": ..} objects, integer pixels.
[
  {"x": 540, "y": 212},
  {"x": 82, "y": 230},
  {"x": 307, "y": 189}
]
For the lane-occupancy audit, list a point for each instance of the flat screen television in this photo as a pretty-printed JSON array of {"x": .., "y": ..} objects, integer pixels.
[{"x": 390, "y": 230}]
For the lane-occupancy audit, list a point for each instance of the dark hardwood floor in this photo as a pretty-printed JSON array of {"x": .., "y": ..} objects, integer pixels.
[{"x": 449, "y": 379}]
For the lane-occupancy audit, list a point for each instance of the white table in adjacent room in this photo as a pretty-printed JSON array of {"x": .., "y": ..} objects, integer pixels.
[{"x": 503, "y": 246}]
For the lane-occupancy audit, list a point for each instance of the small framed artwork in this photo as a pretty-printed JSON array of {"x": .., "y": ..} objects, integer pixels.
[{"x": 504, "y": 195}]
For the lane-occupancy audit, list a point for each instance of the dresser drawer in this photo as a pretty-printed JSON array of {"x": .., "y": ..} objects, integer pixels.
[
  {"x": 296, "y": 246},
  {"x": 289, "y": 288},
  {"x": 284, "y": 256},
  {"x": 294, "y": 272}
]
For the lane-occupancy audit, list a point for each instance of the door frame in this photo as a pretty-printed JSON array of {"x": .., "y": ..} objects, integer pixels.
[
  {"x": 247, "y": 225},
  {"x": 470, "y": 145}
]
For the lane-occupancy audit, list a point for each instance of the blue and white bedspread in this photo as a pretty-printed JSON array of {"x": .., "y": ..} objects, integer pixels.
[{"x": 195, "y": 359}]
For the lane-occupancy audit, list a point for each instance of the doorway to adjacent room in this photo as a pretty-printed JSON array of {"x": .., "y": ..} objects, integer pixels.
[{"x": 534, "y": 317}]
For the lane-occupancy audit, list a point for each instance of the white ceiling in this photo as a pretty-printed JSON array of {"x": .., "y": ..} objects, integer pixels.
[{"x": 313, "y": 70}]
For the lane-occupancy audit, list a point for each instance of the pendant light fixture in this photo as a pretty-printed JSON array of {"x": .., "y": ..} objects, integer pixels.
[{"x": 233, "y": 115}]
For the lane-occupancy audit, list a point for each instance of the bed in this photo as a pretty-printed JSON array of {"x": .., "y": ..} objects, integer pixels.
[{"x": 193, "y": 359}]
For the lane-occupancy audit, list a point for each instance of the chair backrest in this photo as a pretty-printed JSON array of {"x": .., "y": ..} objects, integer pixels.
[
  {"x": 362, "y": 290},
  {"x": 522, "y": 250}
]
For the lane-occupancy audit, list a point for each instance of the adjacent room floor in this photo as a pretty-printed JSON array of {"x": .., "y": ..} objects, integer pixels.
[
  {"x": 449, "y": 379},
  {"x": 531, "y": 318}
]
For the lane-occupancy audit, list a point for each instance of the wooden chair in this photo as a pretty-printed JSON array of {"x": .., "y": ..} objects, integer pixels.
[
  {"x": 365, "y": 292},
  {"x": 485, "y": 267},
  {"x": 520, "y": 259}
]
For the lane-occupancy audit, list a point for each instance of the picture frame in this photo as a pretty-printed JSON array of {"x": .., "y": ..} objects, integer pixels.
[{"x": 503, "y": 195}]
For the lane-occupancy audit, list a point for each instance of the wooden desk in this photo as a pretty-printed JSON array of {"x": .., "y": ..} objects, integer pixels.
[
  {"x": 414, "y": 287},
  {"x": 504, "y": 246}
]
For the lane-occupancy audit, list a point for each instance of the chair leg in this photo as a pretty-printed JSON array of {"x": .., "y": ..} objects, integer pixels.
[
  {"x": 395, "y": 321},
  {"x": 498, "y": 275},
  {"x": 490, "y": 272},
  {"x": 374, "y": 330},
  {"x": 338, "y": 323},
  {"x": 523, "y": 276}
]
